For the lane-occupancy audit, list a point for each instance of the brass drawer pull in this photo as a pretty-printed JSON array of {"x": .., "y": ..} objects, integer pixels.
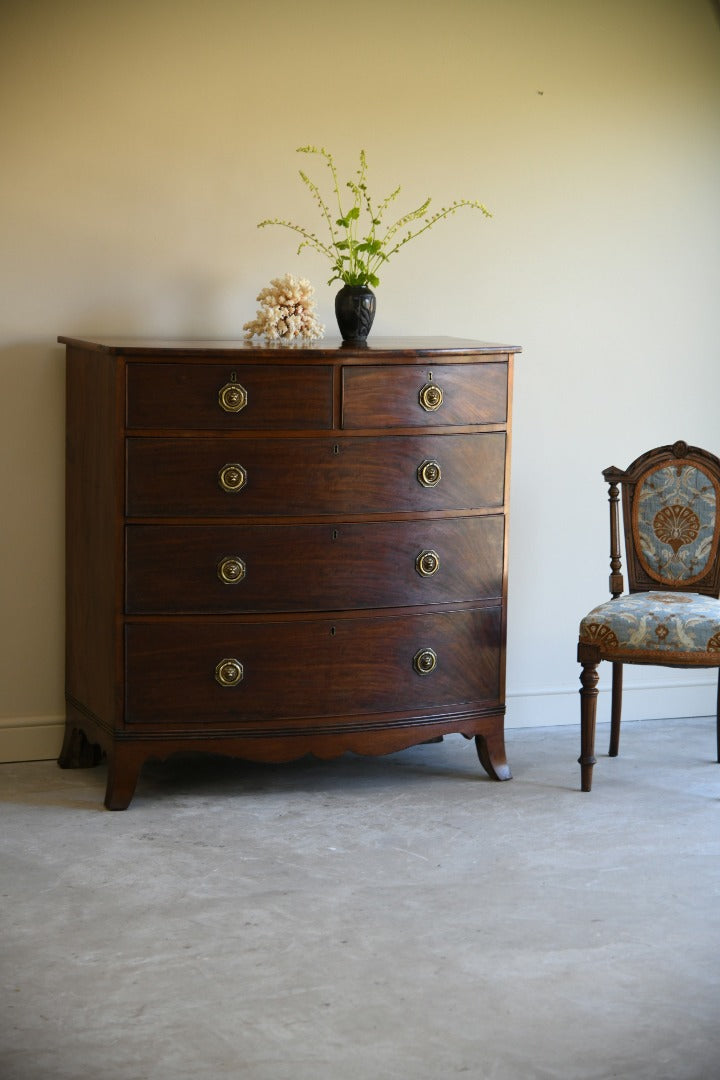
[
  {"x": 425, "y": 661},
  {"x": 427, "y": 563},
  {"x": 229, "y": 672},
  {"x": 232, "y": 477},
  {"x": 231, "y": 569},
  {"x": 429, "y": 473},
  {"x": 431, "y": 397},
  {"x": 232, "y": 397}
]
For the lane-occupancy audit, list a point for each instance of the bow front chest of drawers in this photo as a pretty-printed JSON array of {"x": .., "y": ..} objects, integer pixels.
[{"x": 278, "y": 551}]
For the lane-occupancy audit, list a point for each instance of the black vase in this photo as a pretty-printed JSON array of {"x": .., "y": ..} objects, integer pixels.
[{"x": 355, "y": 311}]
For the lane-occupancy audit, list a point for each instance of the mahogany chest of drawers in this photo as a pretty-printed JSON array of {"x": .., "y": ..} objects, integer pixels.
[{"x": 278, "y": 551}]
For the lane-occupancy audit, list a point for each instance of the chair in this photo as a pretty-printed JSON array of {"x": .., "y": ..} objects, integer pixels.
[{"x": 671, "y": 613}]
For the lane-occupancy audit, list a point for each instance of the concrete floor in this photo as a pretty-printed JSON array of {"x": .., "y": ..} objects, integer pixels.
[{"x": 398, "y": 918}]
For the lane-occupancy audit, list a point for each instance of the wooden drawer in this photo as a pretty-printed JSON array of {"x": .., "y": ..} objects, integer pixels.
[
  {"x": 303, "y": 669},
  {"x": 187, "y": 396},
  {"x": 286, "y": 477},
  {"x": 198, "y": 569},
  {"x": 393, "y": 397}
]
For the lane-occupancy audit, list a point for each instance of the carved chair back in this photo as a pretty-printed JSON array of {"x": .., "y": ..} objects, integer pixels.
[{"x": 671, "y": 521}]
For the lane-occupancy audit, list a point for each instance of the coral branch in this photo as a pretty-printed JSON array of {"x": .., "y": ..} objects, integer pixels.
[{"x": 286, "y": 312}]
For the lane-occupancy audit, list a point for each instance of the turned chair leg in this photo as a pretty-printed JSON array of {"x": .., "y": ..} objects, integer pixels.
[
  {"x": 616, "y": 709},
  {"x": 588, "y": 712}
]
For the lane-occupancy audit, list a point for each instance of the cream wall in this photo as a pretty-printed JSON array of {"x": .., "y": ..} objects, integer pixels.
[{"x": 142, "y": 141}]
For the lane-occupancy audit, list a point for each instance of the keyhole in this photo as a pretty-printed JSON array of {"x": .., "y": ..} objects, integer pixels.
[
  {"x": 336, "y": 449},
  {"x": 334, "y": 534},
  {"x": 332, "y": 631}
]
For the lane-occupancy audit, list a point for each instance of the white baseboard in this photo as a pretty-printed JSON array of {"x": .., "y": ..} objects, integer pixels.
[
  {"x": 548, "y": 708},
  {"x": 31, "y": 738},
  {"x": 39, "y": 738}
]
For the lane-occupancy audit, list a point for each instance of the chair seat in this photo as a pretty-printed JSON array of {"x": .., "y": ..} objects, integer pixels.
[{"x": 660, "y": 627}]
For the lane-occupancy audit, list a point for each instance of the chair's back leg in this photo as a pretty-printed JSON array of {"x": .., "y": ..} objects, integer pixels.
[{"x": 616, "y": 709}]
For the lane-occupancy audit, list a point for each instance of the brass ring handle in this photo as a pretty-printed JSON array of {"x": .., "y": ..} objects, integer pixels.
[
  {"x": 427, "y": 563},
  {"x": 229, "y": 672},
  {"x": 429, "y": 473},
  {"x": 232, "y": 477},
  {"x": 425, "y": 661},
  {"x": 232, "y": 397},
  {"x": 231, "y": 569},
  {"x": 431, "y": 397}
]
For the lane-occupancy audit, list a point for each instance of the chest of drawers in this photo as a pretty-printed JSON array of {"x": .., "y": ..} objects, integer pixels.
[{"x": 279, "y": 551}]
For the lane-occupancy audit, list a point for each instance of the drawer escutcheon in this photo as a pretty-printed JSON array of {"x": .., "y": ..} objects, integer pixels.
[
  {"x": 429, "y": 473},
  {"x": 231, "y": 569},
  {"x": 232, "y": 397},
  {"x": 427, "y": 563},
  {"x": 425, "y": 661},
  {"x": 229, "y": 672},
  {"x": 431, "y": 397},
  {"x": 232, "y": 477}
]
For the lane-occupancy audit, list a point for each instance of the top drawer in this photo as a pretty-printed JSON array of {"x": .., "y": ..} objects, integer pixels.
[
  {"x": 436, "y": 395},
  {"x": 223, "y": 397}
]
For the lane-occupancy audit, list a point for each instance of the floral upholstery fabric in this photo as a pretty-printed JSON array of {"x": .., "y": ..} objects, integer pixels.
[
  {"x": 675, "y": 512},
  {"x": 656, "y": 626}
]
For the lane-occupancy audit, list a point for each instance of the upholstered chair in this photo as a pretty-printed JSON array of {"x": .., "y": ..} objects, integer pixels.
[{"x": 671, "y": 613}]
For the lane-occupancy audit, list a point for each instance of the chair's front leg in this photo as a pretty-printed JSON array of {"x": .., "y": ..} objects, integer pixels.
[{"x": 588, "y": 711}]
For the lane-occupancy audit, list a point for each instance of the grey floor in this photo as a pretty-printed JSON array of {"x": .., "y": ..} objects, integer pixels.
[{"x": 398, "y": 918}]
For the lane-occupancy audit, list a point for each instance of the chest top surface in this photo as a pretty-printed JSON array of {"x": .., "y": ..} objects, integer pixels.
[{"x": 385, "y": 350}]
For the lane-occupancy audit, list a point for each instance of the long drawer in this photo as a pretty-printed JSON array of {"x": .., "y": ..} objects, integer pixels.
[
  {"x": 279, "y": 672},
  {"x": 226, "y": 477},
  {"x": 174, "y": 569},
  {"x": 217, "y": 396}
]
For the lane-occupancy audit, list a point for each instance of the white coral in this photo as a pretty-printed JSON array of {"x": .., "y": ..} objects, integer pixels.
[{"x": 286, "y": 312}]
